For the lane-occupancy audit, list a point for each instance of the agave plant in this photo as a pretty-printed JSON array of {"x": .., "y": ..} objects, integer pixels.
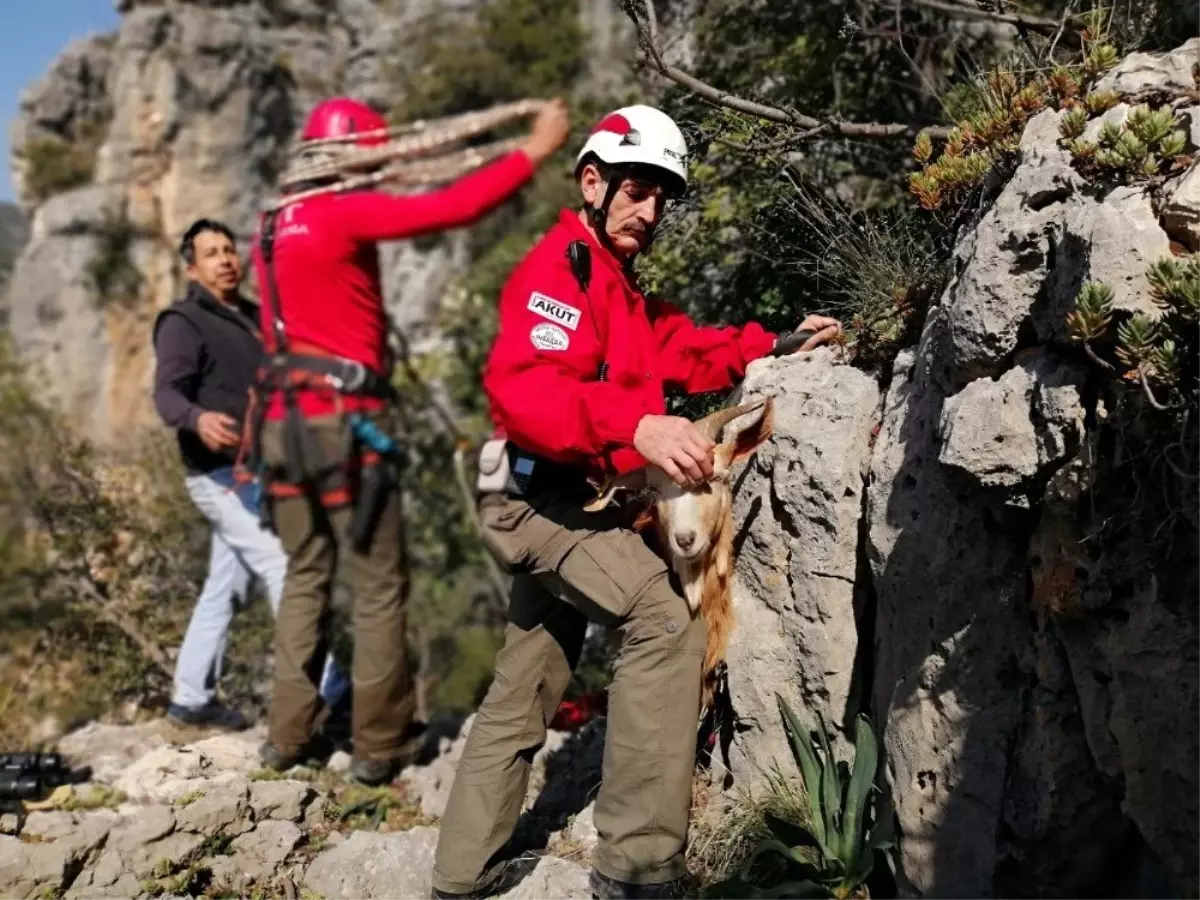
[{"x": 835, "y": 853}]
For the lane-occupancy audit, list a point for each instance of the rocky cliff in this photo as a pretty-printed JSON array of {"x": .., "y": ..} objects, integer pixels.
[
  {"x": 936, "y": 551},
  {"x": 14, "y": 232},
  {"x": 932, "y": 548},
  {"x": 185, "y": 112}
]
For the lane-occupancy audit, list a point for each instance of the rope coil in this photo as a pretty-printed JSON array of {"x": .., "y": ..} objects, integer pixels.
[{"x": 417, "y": 154}]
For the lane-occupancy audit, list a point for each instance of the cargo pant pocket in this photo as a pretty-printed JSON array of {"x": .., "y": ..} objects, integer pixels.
[
  {"x": 612, "y": 569},
  {"x": 500, "y": 519}
]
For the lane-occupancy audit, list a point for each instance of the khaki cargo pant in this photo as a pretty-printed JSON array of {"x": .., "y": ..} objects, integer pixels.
[
  {"x": 574, "y": 566},
  {"x": 315, "y": 543}
]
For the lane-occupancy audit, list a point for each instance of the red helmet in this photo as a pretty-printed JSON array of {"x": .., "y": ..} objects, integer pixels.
[{"x": 341, "y": 117}]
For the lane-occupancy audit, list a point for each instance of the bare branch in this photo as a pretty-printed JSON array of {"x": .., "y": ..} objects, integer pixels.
[
  {"x": 1062, "y": 28},
  {"x": 970, "y": 11},
  {"x": 652, "y": 22},
  {"x": 1150, "y": 398},
  {"x": 907, "y": 58},
  {"x": 810, "y": 126},
  {"x": 150, "y": 649},
  {"x": 1104, "y": 364},
  {"x": 1186, "y": 476}
]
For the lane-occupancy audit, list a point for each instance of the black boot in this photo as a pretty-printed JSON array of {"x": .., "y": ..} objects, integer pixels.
[
  {"x": 506, "y": 877},
  {"x": 374, "y": 772},
  {"x": 605, "y": 888},
  {"x": 314, "y": 754}
]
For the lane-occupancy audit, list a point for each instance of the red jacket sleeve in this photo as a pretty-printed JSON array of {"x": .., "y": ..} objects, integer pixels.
[
  {"x": 541, "y": 376},
  {"x": 697, "y": 359},
  {"x": 374, "y": 216}
]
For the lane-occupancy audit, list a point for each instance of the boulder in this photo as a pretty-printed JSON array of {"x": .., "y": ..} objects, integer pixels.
[
  {"x": 797, "y": 504},
  {"x": 1148, "y": 75},
  {"x": 371, "y": 865},
  {"x": 1181, "y": 210},
  {"x": 1001, "y": 263},
  {"x": 221, "y": 809},
  {"x": 280, "y": 799},
  {"x": 1003, "y": 433}
]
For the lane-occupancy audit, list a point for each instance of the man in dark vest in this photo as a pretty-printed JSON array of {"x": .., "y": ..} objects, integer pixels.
[{"x": 208, "y": 351}]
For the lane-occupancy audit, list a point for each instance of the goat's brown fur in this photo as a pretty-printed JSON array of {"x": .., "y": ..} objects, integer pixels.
[
  {"x": 716, "y": 604},
  {"x": 715, "y": 566}
]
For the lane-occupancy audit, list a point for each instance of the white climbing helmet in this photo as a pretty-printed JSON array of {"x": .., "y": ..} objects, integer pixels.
[{"x": 639, "y": 135}]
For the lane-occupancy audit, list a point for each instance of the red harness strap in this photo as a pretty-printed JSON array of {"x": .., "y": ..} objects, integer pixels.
[{"x": 343, "y": 477}]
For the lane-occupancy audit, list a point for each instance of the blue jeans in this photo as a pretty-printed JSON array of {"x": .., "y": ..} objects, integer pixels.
[{"x": 240, "y": 548}]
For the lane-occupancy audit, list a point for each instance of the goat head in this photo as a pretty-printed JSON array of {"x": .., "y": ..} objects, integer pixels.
[
  {"x": 695, "y": 525},
  {"x": 690, "y": 518}
]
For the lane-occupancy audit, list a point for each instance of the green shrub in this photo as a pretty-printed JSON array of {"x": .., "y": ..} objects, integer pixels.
[
  {"x": 112, "y": 272},
  {"x": 57, "y": 163},
  {"x": 101, "y": 557},
  {"x": 53, "y": 165},
  {"x": 1148, "y": 144},
  {"x": 504, "y": 50},
  {"x": 834, "y": 854}
]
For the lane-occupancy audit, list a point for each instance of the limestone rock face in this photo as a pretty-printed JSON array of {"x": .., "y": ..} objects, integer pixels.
[
  {"x": 798, "y": 502},
  {"x": 1001, "y": 676},
  {"x": 1147, "y": 74},
  {"x": 1181, "y": 210},
  {"x": 926, "y": 557}
]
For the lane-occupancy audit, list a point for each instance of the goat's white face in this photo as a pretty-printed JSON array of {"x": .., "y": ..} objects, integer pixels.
[{"x": 690, "y": 519}]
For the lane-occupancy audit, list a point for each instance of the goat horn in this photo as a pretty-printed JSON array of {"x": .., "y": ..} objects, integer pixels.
[
  {"x": 630, "y": 481},
  {"x": 710, "y": 426}
]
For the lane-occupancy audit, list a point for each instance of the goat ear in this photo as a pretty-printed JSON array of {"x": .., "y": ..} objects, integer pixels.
[
  {"x": 630, "y": 481},
  {"x": 742, "y": 436}
]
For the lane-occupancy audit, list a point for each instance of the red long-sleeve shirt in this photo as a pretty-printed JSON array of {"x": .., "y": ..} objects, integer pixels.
[
  {"x": 327, "y": 265},
  {"x": 541, "y": 376}
]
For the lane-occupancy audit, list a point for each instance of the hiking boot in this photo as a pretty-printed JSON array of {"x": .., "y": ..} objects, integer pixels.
[
  {"x": 373, "y": 772},
  {"x": 605, "y": 888},
  {"x": 210, "y": 715},
  {"x": 274, "y": 758},
  {"x": 507, "y": 875},
  {"x": 313, "y": 754}
]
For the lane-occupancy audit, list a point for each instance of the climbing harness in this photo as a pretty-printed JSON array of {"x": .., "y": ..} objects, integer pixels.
[{"x": 366, "y": 467}]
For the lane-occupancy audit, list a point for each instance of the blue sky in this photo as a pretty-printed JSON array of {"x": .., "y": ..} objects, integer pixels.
[{"x": 32, "y": 32}]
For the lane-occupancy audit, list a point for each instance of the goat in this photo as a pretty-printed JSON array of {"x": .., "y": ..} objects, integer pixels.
[{"x": 695, "y": 526}]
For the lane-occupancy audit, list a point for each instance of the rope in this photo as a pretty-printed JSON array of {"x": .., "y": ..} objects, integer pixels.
[
  {"x": 413, "y": 174},
  {"x": 416, "y": 153}
]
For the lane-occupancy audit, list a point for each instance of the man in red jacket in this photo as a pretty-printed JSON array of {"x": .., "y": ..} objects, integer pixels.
[
  {"x": 328, "y": 370},
  {"x": 576, "y": 381}
]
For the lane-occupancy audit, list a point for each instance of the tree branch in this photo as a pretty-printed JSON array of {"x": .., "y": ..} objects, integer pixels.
[
  {"x": 153, "y": 652},
  {"x": 642, "y": 15},
  {"x": 460, "y": 444},
  {"x": 1020, "y": 20},
  {"x": 1104, "y": 364},
  {"x": 1151, "y": 399}
]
